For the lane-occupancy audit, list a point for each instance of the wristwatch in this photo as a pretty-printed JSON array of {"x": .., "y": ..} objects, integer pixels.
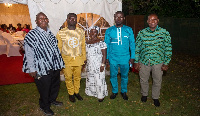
[{"x": 102, "y": 64}]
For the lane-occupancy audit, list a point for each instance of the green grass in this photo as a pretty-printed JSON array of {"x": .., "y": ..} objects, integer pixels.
[{"x": 180, "y": 96}]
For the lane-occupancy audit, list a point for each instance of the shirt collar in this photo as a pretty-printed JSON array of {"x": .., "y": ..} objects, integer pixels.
[
  {"x": 119, "y": 27},
  {"x": 42, "y": 30},
  {"x": 77, "y": 28},
  {"x": 157, "y": 28}
]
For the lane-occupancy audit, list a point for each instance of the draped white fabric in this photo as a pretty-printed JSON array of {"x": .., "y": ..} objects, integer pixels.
[
  {"x": 14, "y": 1},
  {"x": 57, "y": 10}
]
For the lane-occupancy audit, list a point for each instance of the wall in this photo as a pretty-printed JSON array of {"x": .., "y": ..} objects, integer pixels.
[
  {"x": 136, "y": 22},
  {"x": 18, "y": 13}
]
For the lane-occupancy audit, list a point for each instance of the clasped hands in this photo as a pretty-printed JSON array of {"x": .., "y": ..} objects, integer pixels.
[{"x": 85, "y": 62}]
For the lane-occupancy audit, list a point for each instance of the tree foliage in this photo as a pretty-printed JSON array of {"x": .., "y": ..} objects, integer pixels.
[{"x": 167, "y": 8}]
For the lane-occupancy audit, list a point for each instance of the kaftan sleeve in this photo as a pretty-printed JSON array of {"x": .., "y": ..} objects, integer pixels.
[
  {"x": 28, "y": 61},
  {"x": 168, "y": 49},
  {"x": 132, "y": 44},
  {"x": 107, "y": 41},
  {"x": 137, "y": 48},
  {"x": 60, "y": 43}
]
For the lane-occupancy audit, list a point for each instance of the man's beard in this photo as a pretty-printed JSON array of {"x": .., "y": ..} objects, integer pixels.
[{"x": 118, "y": 24}]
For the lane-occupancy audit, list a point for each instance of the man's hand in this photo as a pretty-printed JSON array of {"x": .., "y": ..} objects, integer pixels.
[
  {"x": 131, "y": 61},
  {"x": 164, "y": 67},
  {"x": 107, "y": 62},
  {"x": 137, "y": 66},
  {"x": 83, "y": 66},
  {"x": 85, "y": 62},
  {"x": 33, "y": 74}
]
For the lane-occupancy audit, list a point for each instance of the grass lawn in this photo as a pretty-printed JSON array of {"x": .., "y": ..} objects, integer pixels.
[{"x": 180, "y": 96}]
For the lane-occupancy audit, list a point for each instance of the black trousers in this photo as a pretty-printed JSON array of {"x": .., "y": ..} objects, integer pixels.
[{"x": 48, "y": 87}]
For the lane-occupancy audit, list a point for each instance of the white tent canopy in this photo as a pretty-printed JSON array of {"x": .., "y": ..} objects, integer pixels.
[{"x": 57, "y": 10}]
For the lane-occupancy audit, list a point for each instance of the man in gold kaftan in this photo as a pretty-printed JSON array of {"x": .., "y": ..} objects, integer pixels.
[{"x": 71, "y": 42}]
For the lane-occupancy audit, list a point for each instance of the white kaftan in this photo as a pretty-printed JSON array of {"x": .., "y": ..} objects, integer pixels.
[{"x": 95, "y": 82}]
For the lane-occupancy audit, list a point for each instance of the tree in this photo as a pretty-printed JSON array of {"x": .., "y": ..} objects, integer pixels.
[{"x": 168, "y": 8}]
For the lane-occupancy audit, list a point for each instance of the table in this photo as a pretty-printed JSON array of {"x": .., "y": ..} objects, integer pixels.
[{"x": 20, "y": 39}]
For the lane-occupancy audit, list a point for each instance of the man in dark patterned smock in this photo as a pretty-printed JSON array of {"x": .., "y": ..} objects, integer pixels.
[
  {"x": 153, "y": 53},
  {"x": 43, "y": 61}
]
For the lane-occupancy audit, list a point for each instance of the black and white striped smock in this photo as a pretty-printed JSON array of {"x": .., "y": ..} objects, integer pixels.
[{"x": 45, "y": 53}]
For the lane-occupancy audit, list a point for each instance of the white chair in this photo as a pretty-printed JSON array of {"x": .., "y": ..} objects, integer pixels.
[
  {"x": 2, "y": 39},
  {"x": 3, "y": 45},
  {"x": 9, "y": 37},
  {"x": 1, "y": 32},
  {"x": 3, "y": 48},
  {"x": 12, "y": 47}
]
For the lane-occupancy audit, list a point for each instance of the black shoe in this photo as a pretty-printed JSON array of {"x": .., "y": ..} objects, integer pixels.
[
  {"x": 72, "y": 98},
  {"x": 100, "y": 100},
  {"x": 48, "y": 112},
  {"x": 125, "y": 97},
  {"x": 78, "y": 96},
  {"x": 156, "y": 102},
  {"x": 144, "y": 98},
  {"x": 57, "y": 103},
  {"x": 113, "y": 96}
]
